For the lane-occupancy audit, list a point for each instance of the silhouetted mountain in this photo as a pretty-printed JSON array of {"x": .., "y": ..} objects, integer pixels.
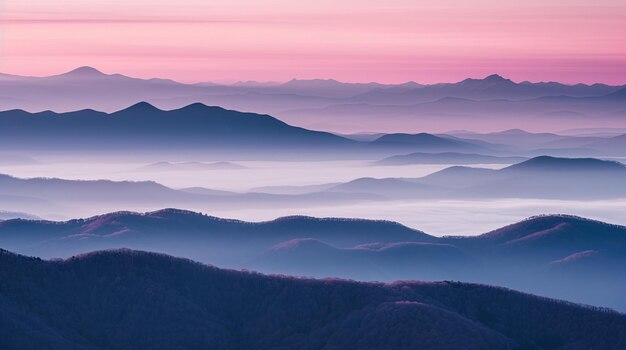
[
  {"x": 556, "y": 256},
  {"x": 320, "y": 104},
  {"x": 82, "y": 73},
  {"x": 539, "y": 177},
  {"x": 144, "y": 127},
  {"x": 447, "y": 158},
  {"x": 491, "y": 87},
  {"x": 86, "y": 87},
  {"x": 488, "y": 84},
  {"x": 546, "y": 163},
  {"x": 126, "y": 299},
  {"x": 440, "y": 110},
  {"x": 200, "y": 129}
]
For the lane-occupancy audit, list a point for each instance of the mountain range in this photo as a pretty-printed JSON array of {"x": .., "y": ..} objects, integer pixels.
[
  {"x": 336, "y": 106},
  {"x": 129, "y": 299},
  {"x": 204, "y": 130},
  {"x": 539, "y": 177},
  {"x": 489, "y": 114},
  {"x": 225, "y": 134},
  {"x": 558, "y": 256},
  {"x": 146, "y": 128},
  {"x": 221, "y": 134},
  {"x": 43, "y": 196}
]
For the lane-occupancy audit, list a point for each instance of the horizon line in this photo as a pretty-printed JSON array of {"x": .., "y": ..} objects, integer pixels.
[{"x": 278, "y": 83}]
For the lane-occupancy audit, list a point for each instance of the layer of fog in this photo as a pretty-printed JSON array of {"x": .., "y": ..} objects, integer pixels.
[
  {"x": 437, "y": 217},
  {"x": 257, "y": 173},
  {"x": 445, "y": 217}
]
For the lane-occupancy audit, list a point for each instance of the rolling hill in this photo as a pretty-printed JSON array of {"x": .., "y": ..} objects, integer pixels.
[
  {"x": 557, "y": 256},
  {"x": 127, "y": 299}
]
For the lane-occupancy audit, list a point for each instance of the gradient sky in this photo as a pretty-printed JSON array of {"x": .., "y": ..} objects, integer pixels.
[{"x": 349, "y": 40}]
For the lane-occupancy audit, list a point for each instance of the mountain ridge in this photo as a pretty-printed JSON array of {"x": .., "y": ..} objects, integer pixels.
[
  {"x": 314, "y": 103},
  {"x": 213, "y": 308},
  {"x": 143, "y": 123},
  {"x": 520, "y": 256}
]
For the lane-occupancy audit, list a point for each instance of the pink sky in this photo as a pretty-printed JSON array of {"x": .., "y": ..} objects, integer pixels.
[{"x": 366, "y": 40}]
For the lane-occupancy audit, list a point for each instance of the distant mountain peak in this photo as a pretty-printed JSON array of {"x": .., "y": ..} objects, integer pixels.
[
  {"x": 513, "y": 132},
  {"x": 173, "y": 212},
  {"x": 423, "y": 139},
  {"x": 495, "y": 77},
  {"x": 141, "y": 107},
  {"x": 84, "y": 71},
  {"x": 566, "y": 164},
  {"x": 197, "y": 106}
]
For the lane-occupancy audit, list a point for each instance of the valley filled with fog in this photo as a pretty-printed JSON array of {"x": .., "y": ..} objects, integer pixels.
[
  {"x": 312, "y": 175},
  {"x": 437, "y": 216},
  {"x": 536, "y": 208}
]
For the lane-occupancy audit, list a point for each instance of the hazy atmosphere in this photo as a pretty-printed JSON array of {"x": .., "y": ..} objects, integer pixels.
[{"x": 312, "y": 175}]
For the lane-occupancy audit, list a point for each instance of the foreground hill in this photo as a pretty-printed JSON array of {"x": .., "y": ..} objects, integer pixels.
[
  {"x": 126, "y": 299},
  {"x": 558, "y": 256}
]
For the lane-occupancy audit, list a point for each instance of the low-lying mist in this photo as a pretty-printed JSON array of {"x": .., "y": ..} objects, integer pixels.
[{"x": 436, "y": 216}]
